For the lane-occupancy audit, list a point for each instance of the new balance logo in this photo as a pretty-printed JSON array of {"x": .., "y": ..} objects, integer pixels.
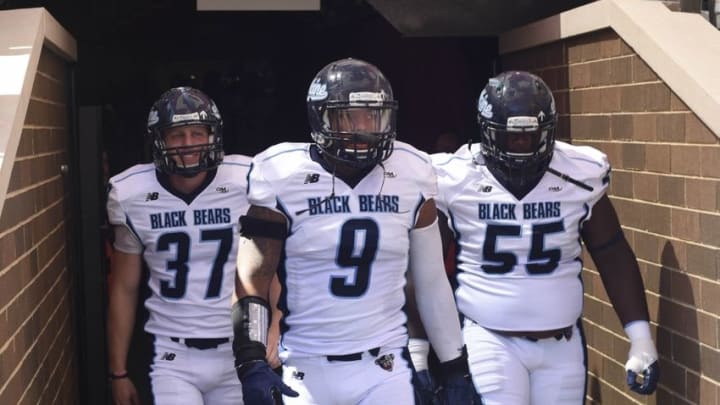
[
  {"x": 152, "y": 196},
  {"x": 486, "y": 189},
  {"x": 390, "y": 175},
  {"x": 554, "y": 188},
  {"x": 168, "y": 356},
  {"x": 312, "y": 178},
  {"x": 222, "y": 189}
]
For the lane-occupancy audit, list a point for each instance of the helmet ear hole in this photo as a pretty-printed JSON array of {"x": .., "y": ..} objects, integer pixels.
[{"x": 352, "y": 113}]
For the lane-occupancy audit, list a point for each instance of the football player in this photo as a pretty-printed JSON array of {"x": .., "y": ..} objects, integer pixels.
[
  {"x": 519, "y": 205},
  {"x": 343, "y": 218},
  {"x": 178, "y": 216}
]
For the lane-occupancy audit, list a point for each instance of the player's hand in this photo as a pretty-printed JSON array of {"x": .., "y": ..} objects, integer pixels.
[
  {"x": 259, "y": 382},
  {"x": 124, "y": 392},
  {"x": 643, "y": 370},
  {"x": 271, "y": 355},
  {"x": 459, "y": 389},
  {"x": 426, "y": 392}
]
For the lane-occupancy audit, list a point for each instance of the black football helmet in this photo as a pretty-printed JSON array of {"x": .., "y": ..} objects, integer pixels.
[
  {"x": 178, "y": 107},
  {"x": 351, "y": 90},
  {"x": 517, "y": 102}
]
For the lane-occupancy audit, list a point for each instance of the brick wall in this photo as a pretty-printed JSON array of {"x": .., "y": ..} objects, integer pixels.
[
  {"x": 683, "y": 5},
  {"x": 37, "y": 351},
  {"x": 666, "y": 189},
  {"x": 674, "y": 5}
]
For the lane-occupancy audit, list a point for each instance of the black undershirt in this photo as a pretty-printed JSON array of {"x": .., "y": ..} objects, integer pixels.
[
  {"x": 164, "y": 181},
  {"x": 351, "y": 180}
]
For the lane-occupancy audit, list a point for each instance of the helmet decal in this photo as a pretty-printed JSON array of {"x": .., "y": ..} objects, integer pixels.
[
  {"x": 318, "y": 90},
  {"x": 153, "y": 117},
  {"x": 367, "y": 96},
  {"x": 187, "y": 117},
  {"x": 484, "y": 107}
]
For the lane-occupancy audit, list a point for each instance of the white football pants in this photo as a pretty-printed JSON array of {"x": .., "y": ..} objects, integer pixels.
[
  {"x": 518, "y": 371},
  {"x": 360, "y": 382},
  {"x": 189, "y": 376}
]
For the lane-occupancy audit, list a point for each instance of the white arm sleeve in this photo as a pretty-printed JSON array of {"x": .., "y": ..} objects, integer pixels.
[{"x": 433, "y": 293}]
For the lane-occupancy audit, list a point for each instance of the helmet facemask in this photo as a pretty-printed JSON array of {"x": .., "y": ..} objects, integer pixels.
[
  {"x": 524, "y": 166},
  {"x": 359, "y": 134},
  {"x": 174, "y": 158}
]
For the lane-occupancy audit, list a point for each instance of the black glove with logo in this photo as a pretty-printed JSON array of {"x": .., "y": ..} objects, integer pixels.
[{"x": 457, "y": 387}]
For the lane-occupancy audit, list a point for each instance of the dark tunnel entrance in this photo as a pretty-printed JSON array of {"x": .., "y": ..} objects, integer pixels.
[{"x": 257, "y": 66}]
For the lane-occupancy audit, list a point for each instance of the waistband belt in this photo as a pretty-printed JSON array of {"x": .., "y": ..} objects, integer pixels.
[
  {"x": 535, "y": 336},
  {"x": 353, "y": 356},
  {"x": 201, "y": 343}
]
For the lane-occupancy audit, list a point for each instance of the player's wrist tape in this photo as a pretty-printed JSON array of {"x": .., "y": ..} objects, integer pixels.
[
  {"x": 251, "y": 226},
  {"x": 638, "y": 330},
  {"x": 456, "y": 366},
  {"x": 117, "y": 375},
  {"x": 419, "y": 350},
  {"x": 251, "y": 319}
]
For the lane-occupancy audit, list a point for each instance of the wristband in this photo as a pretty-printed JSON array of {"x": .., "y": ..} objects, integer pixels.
[
  {"x": 419, "y": 350},
  {"x": 638, "y": 330}
]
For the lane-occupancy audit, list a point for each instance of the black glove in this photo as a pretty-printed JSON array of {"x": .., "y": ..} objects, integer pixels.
[
  {"x": 260, "y": 382},
  {"x": 643, "y": 370},
  {"x": 644, "y": 382},
  {"x": 426, "y": 392},
  {"x": 458, "y": 388}
]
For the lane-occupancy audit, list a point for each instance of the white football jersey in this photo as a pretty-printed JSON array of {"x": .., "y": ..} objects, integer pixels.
[
  {"x": 519, "y": 260},
  {"x": 347, "y": 251},
  {"x": 189, "y": 246}
]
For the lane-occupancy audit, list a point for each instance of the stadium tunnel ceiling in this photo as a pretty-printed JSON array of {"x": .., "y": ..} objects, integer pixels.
[
  {"x": 433, "y": 18},
  {"x": 412, "y": 18}
]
